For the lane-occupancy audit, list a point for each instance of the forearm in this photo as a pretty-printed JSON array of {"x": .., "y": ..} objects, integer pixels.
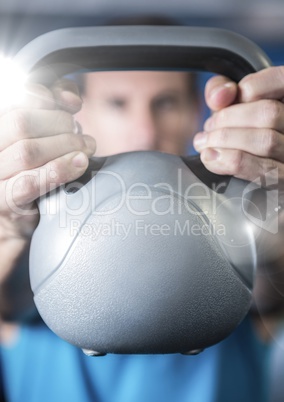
[
  {"x": 16, "y": 299},
  {"x": 268, "y": 294}
]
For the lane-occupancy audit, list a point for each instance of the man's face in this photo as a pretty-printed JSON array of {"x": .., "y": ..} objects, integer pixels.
[{"x": 138, "y": 110}]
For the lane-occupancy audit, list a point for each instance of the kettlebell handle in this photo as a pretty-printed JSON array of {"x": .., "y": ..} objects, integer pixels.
[{"x": 64, "y": 51}]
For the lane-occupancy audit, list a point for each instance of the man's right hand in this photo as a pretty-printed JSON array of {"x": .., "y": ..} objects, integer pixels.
[{"x": 40, "y": 148}]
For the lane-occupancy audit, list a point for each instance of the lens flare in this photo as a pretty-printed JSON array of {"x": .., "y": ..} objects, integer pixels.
[{"x": 12, "y": 83}]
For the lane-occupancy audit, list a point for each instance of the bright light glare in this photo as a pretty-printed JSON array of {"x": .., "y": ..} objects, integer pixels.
[{"x": 12, "y": 83}]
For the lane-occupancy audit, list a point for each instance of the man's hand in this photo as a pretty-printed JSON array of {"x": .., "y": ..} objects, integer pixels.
[
  {"x": 244, "y": 136},
  {"x": 40, "y": 148}
]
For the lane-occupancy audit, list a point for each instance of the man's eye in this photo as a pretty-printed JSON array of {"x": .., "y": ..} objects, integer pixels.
[
  {"x": 165, "y": 103},
  {"x": 117, "y": 103}
]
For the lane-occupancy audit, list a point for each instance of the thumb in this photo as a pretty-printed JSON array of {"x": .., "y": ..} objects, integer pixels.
[{"x": 220, "y": 92}]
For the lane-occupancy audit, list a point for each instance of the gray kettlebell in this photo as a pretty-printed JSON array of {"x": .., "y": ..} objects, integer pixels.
[{"x": 146, "y": 252}]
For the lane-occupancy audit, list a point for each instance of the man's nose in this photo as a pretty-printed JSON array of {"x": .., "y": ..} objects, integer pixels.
[{"x": 144, "y": 130}]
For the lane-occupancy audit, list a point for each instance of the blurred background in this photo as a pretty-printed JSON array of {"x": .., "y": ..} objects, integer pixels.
[{"x": 259, "y": 20}]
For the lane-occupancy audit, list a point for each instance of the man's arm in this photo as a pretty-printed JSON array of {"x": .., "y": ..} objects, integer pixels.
[
  {"x": 244, "y": 138},
  {"x": 40, "y": 149}
]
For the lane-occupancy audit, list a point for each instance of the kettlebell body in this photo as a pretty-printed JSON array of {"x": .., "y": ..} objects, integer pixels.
[{"x": 144, "y": 257}]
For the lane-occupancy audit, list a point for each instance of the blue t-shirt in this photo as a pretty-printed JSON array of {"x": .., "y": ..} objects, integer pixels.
[{"x": 40, "y": 367}]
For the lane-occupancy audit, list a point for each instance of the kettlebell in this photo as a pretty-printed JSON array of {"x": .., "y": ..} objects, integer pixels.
[{"x": 147, "y": 252}]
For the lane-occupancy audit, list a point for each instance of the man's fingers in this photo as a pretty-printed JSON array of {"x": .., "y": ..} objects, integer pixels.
[
  {"x": 63, "y": 95},
  {"x": 27, "y": 186},
  {"x": 220, "y": 92},
  {"x": 262, "y": 114},
  {"x": 67, "y": 96},
  {"x": 37, "y": 96},
  {"x": 257, "y": 141},
  {"x": 265, "y": 84},
  {"x": 21, "y": 124},
  {"x": 33, "y": 96},
  {"x": 29, "y": 154},
  {"x": 237, "y": 163}
]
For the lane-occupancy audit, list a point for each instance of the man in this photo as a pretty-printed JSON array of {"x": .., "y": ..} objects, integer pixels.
[{"x": 127, "y": 111}]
